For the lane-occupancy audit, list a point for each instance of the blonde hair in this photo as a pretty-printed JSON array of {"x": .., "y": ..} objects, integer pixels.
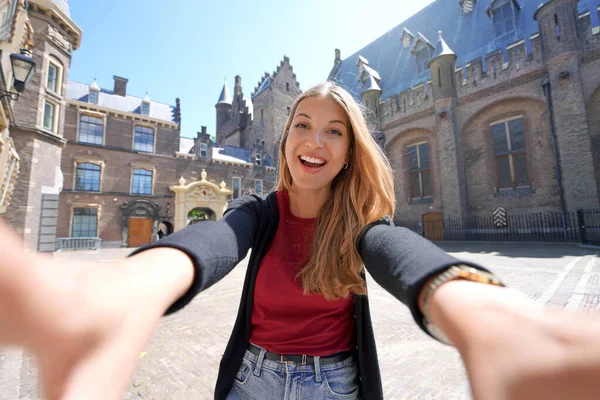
[{"x": 361, "y": 194}]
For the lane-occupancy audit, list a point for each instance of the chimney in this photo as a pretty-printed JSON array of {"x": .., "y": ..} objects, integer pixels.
[
  {"x": 337, "y": 55},
  {"x": 238, "y": 86},
  {"x": 120, "y": 86},
  {"x": 203, "y": 128}
]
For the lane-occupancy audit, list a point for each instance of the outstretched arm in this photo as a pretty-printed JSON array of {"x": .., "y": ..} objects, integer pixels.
[
  {"x": 512, "y": 348},
  {"x": 88, "y": 322}
]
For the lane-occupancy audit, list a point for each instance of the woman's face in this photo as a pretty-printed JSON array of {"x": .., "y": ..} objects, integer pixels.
[{"x": 318, "y": 143}]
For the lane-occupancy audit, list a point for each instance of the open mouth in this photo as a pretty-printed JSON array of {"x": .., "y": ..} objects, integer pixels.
[{"x": 312, "y": 162}]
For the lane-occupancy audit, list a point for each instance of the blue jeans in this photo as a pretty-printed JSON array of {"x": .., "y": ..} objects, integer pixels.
[{"x": 260, "y": 379}]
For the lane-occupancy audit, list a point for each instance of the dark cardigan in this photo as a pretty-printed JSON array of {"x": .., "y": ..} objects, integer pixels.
[{"x": 397, "y": 259}]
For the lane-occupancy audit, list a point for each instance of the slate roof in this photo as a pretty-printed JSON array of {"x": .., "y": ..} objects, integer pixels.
[
  {"x": 266, "y": 83},
  {"x": 470, "y": 36},
  {"x": 219, "y": 154},
  {"x": 131, "y": 104},
  {"x": 185, "y": 145},
  {"x": 243, "y": 154},
  {"x": 225, "y": 96},
  {"x": 230, "y": 154}
]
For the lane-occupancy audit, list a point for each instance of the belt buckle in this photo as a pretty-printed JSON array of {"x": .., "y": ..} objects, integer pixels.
[{"x": 284, "y": 361}]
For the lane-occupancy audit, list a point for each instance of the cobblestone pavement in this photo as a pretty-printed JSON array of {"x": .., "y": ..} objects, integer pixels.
[{"x": 183, "y": 356}]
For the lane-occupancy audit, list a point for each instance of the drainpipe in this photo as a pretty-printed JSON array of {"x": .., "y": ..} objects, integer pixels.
[{"x": 561, "y": 190}]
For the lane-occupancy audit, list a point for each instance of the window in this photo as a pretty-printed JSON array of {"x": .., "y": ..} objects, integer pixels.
[
  {"x": 509, "y": 148},
  {"x": 52, "y": 83},
  {"x": 258, "y": 186},
  {"x": 503, "y": 18},
  {"x": 423, "y": 57},
  {"x": 7, "y": 12},
  {"x": 93, "y": 97},
  {"x": 420, "y": 180},
  {"x": 287, "y": 86},
  {"x": 87, "y": 177},
  {"x": 258, "y": 159},
  {"x": 50, "y": 115},
  {"x": 85, "y": 222},
  {"x": 144, "y": 139},
  {"x": 141, "y": 183},
  {"x": 91, "y": 129},
  {"x": 236, "y": 184},
  {"x": 145, "y": 108},
  {"x": 203, "y": 150}
]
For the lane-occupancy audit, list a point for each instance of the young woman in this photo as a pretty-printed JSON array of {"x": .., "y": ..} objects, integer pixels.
[{"x": 303, "y": 329}]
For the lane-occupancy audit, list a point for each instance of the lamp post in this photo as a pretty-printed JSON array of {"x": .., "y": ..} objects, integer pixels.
[{"x": 23, "y": 68}]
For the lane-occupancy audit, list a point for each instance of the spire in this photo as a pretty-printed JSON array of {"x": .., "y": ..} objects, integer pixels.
[
  {"x": 146, "y": 98},
  {"x": 225, "y": 97},
  {"x": 442, "y": 48},
  {"x": 371, "y": 84},
  {"x": 94, "y": 85}
]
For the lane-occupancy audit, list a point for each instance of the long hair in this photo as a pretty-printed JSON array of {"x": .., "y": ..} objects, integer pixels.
[{"x": 361, "y": 194}]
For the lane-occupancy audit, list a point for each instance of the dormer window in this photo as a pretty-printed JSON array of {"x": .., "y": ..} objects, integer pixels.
[
  {"x": 203, "y": 150},
  {"x": 93, "y": 97},
  {"x": 94, "y": 92},
  {"x": 258, "y": 159},
  {"x": 423, "y": 57},
  {"x": 503, "y": 14},
  {"x": 467, "y": 5},
  {"x": 406, "y": 38},
  {"x": 423, "y": 50},
  {"x": 145, "y": 107}
]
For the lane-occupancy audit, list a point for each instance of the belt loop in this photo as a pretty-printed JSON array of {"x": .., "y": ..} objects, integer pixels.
[
  {"x": 317, "y": 361},
  {"x": 259, "y": 362}
]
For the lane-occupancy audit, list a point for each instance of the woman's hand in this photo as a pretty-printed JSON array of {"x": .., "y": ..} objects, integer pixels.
[
  {"x": 514, "y": 349},
  {"x": 87, "y": 322}
]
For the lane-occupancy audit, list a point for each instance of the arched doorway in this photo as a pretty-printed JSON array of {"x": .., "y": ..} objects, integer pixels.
[
  {"x": 206, "y": 198},
  {"x": 165, "y": 228},
  {"x": 140, "y": 222},
  {"x": 200, "y": 214}
]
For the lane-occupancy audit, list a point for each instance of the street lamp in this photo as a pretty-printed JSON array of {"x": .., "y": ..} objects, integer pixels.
[{"x": 23, "y": 68}]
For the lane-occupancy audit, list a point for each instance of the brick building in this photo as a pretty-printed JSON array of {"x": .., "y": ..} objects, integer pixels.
[
  {"x": 16, "y": 37},
  {"x": 499, "y": 109},
  {"x": 38, "y": 124},
  {"x": 129, "y": 177}
]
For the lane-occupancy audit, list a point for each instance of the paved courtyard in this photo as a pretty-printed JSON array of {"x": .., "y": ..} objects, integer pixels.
[{"x": 182, "y": 359}]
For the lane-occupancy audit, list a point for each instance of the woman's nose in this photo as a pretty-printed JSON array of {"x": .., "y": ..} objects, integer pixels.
[{"x": 315, "y": 139}]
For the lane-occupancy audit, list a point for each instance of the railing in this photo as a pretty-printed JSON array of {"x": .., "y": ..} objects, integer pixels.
[
  {"x": 589, "y": 225},
  {"x": 537, "y": 227},
  {"x": 80, "y": 243}
]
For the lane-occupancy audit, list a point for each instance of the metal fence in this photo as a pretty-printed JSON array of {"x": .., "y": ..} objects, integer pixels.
[
  {"x": 87, "y": 243},
  {"x": 538, "y": 227},
  {"x": 589, "y": 222}
]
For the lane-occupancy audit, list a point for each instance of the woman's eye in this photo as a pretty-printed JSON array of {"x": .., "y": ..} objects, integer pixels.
[
  {"x": 335, "y": 132},
  {"x": 301, "y": 125}
]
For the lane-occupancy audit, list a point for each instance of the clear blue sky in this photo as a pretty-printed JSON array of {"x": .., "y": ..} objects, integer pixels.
[{"x": 185, "y": 48}]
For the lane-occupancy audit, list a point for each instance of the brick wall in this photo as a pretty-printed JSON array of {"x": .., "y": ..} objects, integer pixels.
[{"x": 39, "y": 157}]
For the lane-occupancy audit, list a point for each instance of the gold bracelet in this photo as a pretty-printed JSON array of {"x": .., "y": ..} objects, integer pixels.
[{"x": 461, "y": 272}]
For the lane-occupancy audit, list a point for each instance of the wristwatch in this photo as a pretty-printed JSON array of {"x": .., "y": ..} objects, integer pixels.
[{"x": 460, "y": 272}]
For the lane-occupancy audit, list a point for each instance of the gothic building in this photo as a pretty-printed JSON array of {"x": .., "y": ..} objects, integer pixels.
[{"x": 486, "y": 104}]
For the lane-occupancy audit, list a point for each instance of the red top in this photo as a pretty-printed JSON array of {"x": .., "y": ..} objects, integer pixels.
[{"x": 285, "y": 321}]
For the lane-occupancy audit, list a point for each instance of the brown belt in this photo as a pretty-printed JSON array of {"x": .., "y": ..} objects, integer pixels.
[{"x": 301, "y": 359}]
